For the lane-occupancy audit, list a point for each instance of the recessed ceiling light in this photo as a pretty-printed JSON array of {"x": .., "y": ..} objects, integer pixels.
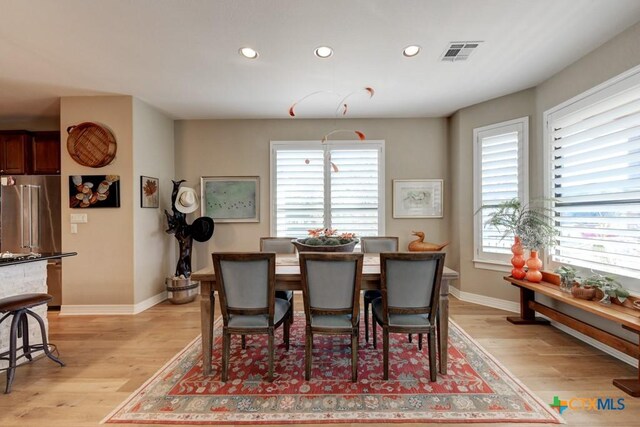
[
  {"x": 410, "y": 51},
  {"x": 247, "y": 52},
  {"x": 323, "y": 52}
]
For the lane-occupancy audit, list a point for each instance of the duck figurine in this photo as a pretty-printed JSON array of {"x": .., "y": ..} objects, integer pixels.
[{"x": 419, "y": 245}]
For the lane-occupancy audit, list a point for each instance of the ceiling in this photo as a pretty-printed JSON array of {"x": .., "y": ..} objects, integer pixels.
[{"x": 182, "y": 56}]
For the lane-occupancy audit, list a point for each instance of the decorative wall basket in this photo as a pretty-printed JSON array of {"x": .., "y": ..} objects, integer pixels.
[{"x": 91, "y": 144}]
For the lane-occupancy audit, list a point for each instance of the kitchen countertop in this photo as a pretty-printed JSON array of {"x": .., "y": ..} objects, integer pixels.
[{"x": 43, "y": 256}]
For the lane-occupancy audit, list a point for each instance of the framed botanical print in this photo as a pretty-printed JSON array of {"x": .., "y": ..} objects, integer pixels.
[{"x": 149, "y": 196}]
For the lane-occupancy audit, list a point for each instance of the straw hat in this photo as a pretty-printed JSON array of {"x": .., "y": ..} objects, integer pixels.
[{"x": 187, "y": 200}]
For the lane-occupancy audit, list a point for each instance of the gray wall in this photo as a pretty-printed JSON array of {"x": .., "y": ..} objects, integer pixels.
[{"x": 415, "y": 148}]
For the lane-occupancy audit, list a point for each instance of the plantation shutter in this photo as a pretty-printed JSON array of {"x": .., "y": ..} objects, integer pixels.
[
  {"x": 299, "y": 191},
  {"x": 332, "y": 185},
  {"x": 354, "y": 191},
  {"x": 595, "y": 149},
  {"x": 500, "y": 162}
]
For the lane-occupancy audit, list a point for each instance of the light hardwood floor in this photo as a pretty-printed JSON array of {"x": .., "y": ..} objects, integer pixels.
[{"x": 109, "y": 357}]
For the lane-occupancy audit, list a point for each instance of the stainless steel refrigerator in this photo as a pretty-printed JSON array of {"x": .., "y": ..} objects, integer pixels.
[{"x": 30, "y": 221}]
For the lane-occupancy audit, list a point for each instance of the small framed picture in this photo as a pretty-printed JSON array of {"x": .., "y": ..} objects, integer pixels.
[
  {"x": 149, "y": 188},
  {"x": 417, "y": 198},
  {"x": 94, "y": 191},
  {"x": 231, "y": 198}
]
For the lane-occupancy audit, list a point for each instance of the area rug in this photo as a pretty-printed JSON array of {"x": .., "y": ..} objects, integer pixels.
[{"x": 476, "y": 389}]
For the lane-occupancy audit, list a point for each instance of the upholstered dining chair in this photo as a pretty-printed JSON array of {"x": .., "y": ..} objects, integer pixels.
[
  {"x": 375, "y": 245},
  {"x": 410, "y": 287},
  {"x": 246, "y": 286},
  {"x": 280, "y": 245},
  {"x": 331, "y": 294}
]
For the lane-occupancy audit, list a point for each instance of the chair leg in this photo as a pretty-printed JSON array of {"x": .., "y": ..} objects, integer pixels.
[
  {"x": 307, "y": 355},
  {"x": 226, "y": 344},
  {"x": 270, "y": 355},
  {"x": 374, "y": 327},
  {"x": 366, "y": 321},
  {"x": 354, "y": 355},
  {"x": 287, "y": 333},
  {"x": 244, "y": 342},
  {"x": 385, "y": 352},
  {"x": 45, "y": 343},
  {"x": 433, "y": 370},
  {"x": 291, "y": 310},
  {"x": 13, "y": 345},
  {"x": 410, "y": 339},
  {"x": 420, "y": 342}
]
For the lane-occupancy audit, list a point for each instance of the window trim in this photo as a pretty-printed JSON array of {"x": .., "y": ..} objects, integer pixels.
[
  {"x": 497, "y": 262},
  {"x": 377, "y": 144},
  {"x": 612, "y": 86}
]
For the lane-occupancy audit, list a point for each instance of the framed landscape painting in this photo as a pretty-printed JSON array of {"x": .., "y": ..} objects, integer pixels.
[
  {"x": 417, "y": 198},
  {"x": 231, "y": 198}
]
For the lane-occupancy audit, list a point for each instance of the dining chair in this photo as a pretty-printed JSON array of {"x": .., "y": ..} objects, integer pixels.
[
  {"x": 375, "y": 245},
  {"x": 410, "y": 287},
  {"x": 331, "y": 295},
  {"x": 280, "y": 245},
  {"x": 246, "y": 286}
]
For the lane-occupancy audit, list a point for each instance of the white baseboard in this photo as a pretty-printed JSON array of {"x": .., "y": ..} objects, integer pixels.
[
  {"x": 498, "y": 303},
  {"x": 149, "y": 302},
  {"x": 515, "y": 308},
  {"x": 112, "y": 309}
]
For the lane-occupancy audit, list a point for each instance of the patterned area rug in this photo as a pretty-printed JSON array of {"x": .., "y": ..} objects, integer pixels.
[{"x": 476, "y": 389}]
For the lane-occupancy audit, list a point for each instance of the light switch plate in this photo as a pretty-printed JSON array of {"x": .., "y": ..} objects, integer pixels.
[
  {"x": 74, "y": 228},
  {"x": 78, "y": 218}
]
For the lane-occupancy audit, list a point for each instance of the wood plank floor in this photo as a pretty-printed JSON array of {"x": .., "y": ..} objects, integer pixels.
[{"x": 109, "y": 357}]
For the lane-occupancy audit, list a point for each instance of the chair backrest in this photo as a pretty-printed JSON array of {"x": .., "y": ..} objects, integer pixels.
[
  {"x": 279, "y": 245},
  {"x": 410, "y": 282},
  {"x": 378, "y": 244},
  {"x": 331, "y": 283},
  {"x": 245, "y": 283}
]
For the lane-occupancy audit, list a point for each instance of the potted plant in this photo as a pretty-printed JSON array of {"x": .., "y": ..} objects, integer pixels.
[
  {"x": 532, "y": 228},
  {"x": 568, "y": 277},
  {"x": 326, "y": 240},
  {"x": 608, "y": 286}
]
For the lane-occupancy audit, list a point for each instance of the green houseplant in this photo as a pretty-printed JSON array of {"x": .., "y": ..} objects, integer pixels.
[
  {"x": 609, "y": 286},
  {"x": 532, "y": 228},
  {"x": 568, "y": 277}
]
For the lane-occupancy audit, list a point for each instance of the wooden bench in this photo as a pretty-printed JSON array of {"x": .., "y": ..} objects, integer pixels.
[{"x": 626, "y": 316}]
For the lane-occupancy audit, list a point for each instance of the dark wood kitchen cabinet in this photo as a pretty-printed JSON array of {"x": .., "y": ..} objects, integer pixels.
[
  {"x": 15, "y": 149},
  {"x": 45, "y": 153}
]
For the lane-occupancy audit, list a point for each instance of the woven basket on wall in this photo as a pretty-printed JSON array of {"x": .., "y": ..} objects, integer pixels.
[{"x": 91, "y": 144}]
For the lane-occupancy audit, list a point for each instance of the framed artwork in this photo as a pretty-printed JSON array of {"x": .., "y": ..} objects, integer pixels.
[
  {"x": 149, "y": 188},
  {"x": 94, "y": 191},
  {"x": 417, "y": 198},
  {"x": 230, "y": 198}
]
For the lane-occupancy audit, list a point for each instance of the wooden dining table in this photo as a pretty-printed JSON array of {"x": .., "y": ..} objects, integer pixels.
[{"x": 288, "y": 279}]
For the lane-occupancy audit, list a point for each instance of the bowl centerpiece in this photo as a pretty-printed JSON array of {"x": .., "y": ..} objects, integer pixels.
[{"x": 326, "y": 240}]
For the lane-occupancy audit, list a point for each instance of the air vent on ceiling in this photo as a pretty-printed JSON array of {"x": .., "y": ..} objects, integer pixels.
[{"x": 459, "y": 51}]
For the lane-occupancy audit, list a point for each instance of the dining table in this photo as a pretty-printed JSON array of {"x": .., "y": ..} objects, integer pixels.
[{"x": 288, "y": 278}]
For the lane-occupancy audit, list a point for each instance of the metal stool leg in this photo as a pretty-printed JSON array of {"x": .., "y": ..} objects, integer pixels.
[
  {"x": 45, "y": 344},
  {"x": 23, "y": 331},
  {"x": 13, "y": 344}
]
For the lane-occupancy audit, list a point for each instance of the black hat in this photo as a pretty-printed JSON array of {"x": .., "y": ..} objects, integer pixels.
[{"x": 202, "y": 229}]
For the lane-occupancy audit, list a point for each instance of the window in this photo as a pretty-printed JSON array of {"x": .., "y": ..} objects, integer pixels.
[
  {"x": 336, "y": 184},
  {"x": 593, "y": 149},
  {"x": 500, "y": 173}
]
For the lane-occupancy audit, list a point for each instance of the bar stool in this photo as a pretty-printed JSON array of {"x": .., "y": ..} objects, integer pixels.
[{"x": 18, "y": 306}]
